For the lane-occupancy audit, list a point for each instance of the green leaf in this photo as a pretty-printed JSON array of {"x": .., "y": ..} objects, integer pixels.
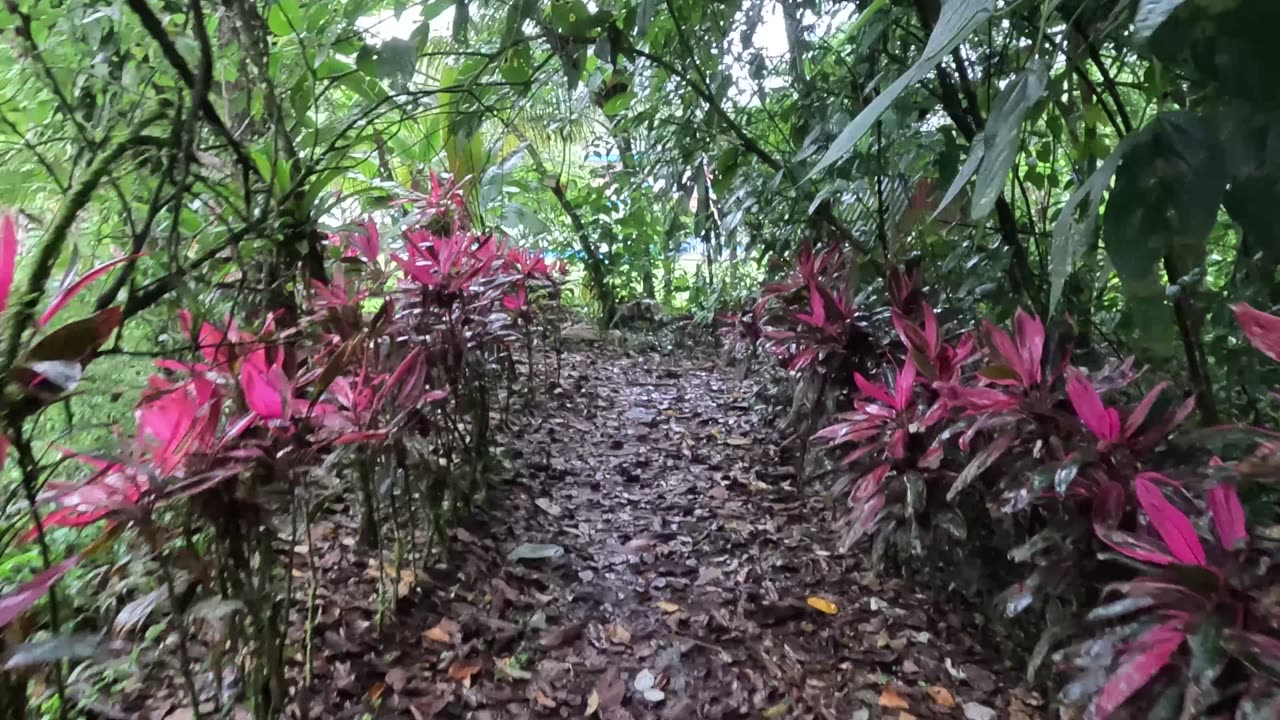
[
  {"x": 1071, "y": 238},
  {"x": 958, "y": 19},
  {"x": 618, "y": 103},
  {"x": 1164, "y": 203},
  {"x": 1002, "y": 134},
  {"x": 283, "y": 17}
]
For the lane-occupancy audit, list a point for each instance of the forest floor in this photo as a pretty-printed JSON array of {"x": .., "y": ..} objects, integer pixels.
[{"x": 651, "y": 557}]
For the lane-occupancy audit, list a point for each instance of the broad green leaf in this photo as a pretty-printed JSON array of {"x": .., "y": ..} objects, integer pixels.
[
  {"x": 1002, "y": 135},
  {"x": 618, "y": 103},
  {"x": 283, "y": 17},
  {"x": 958, "y": 19},
  {"x": 1164, "y": 203}
]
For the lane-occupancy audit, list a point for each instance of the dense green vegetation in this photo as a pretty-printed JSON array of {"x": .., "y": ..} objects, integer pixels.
[{"x": 373, "y": 191}]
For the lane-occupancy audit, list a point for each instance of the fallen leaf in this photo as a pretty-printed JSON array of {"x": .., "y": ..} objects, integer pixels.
[
  {"x": 718, "y": 493},
  {"x": 904, "y": 715},
  {"x": 739, "y": 441},
  {"x": 548, "y": 507},
  {"x": 181, "y": 714},
  {"x": 396, "y": 679},
  {"x": 593, "y": 703},
  {"x": 536, "y": 551},
  {"x": 462, "y": 670},
  {"x": 375, "y": 692},
  {"x": 609, "y": 689},
  {"x": 617, "y": 634},
  {"x": 544, "y": 701},
  {"x": 654, "y": 695},
  {"x": 889, "y": 698},
  {"x": 975, "y": 711},
  {"x": 823, "y": 605},
  {"x": 668, "y": 606},
  {"x": 446, "y": 632},
  {"x": 644, "y": 680},
  {"x": 776, "y": 711},
  {"x": 942, "y": 696},
  {"x": 464, "y": 536},
  {"x": 504, "y": 667}
]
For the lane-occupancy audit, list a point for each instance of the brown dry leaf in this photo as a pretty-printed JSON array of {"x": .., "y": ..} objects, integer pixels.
[
  {"x": 610, "y": 689},
  {"x": 462, "y": 670},
  {"x": 904, "y": 715},
  {"x": 942, "y": 696},
  {"x": 889, "y": 698},
  {"x": 617, "y": 634},
  {"x": 376, "y": 691},
  {"x": 446, "y": 632},
  {"x": 823, "y": 605},
  {"x": 543, "y": 701},
  {"x": 181, "y": 714},
  {"x": 670, "y": 607}
]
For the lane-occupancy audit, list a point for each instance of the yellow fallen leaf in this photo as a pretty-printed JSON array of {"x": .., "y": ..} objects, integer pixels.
[
  {"x": 889, "y": 698},
  {"x": 593, "y": 703},
  {"x": 668, "y": 606},
  {"x": 823, "y": 605},
  {"x": 942, "y": 696},
  {"x": 739, "y": 441},
  {"x": 375, "y": 692},
  {"x": 776, "y": 711}
]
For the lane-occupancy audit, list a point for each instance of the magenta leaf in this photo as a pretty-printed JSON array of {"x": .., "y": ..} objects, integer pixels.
[
  {"x": 8, "y": 257},
  {"x": 903, "y": 389},
  {"x": 1262, "y": 330},
  {"x": 1228, "y": 516},
  {"x": 1102, "y": 421},
  {"x": 1029, "y": 333},
  {"x": 1174, "y": 527},
  {"x": 21, "y": 600},
  {"x": 1146, "y": 657},
  {"x": 67, "y": 295},
  {"x": 267, "y": 391},
  {"x": 875, "y": 391},
  {"x": 1139, "y": 414}
]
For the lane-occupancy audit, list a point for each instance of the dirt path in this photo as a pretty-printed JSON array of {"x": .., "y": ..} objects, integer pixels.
[{"x": 688, "y": 565}]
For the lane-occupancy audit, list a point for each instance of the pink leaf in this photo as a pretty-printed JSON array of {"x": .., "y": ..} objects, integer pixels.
[
  {"x": 1228, "y": 516},
  {"x": 903, "y": 389},
  {"x": 1262, "y": 330},
  {"x": 1140, "y": 412},
  {"x": 1029, "y": 332},
  {"x": 1102, "y": 421},
  {"x": 8, "y": 257},
  {"x": 875, "y": 391},
  {"x": 1008, "y": 351},
  {"x": 21, "y": 600},
  {"x": 1174, "y": 527},
  {"x": 267, "y": 391},
  {"x": 1145, "y": 658},
  {"x": 67, "y": 295}
]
